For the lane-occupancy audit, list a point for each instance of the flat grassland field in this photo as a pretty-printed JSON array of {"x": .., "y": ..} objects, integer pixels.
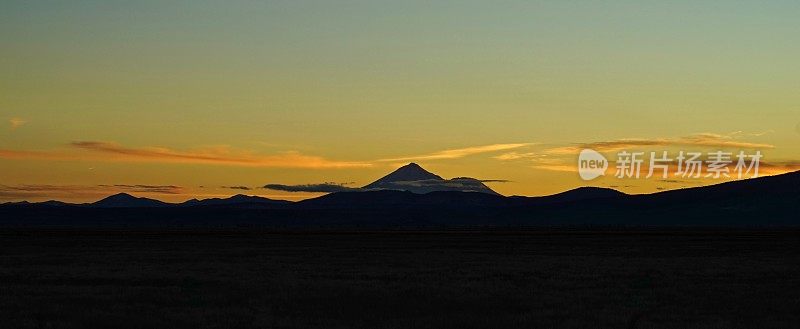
[{"x": 63, "y": 279}]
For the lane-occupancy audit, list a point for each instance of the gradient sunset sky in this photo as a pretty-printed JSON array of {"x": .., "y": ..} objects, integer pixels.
[{"x": 184, "y": 99}]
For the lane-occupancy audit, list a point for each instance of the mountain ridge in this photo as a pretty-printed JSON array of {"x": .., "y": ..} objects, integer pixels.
[{"x": 769, "y": 201}]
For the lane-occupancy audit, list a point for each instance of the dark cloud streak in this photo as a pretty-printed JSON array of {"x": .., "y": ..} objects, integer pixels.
[
  {"x": 316, "y": 188},
  {"x": 243, "y": 188}
]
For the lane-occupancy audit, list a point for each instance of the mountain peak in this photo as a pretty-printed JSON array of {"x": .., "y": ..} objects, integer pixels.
[
  {"x": 413, "y": 168},
  {"x": 413, "y": 178},
  {"x": 121, "y": 196},
  {"x": 408, "y": 173}
]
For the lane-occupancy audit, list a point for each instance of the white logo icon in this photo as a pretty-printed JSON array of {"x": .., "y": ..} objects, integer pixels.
[{"x": 591, "y": 164}]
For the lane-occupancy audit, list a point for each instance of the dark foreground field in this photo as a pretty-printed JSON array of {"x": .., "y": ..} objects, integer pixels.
[{"x": 399, "y": 280}]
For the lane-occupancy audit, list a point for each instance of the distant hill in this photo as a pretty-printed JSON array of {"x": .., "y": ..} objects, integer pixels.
[
  {"x": 238, "y": 200},
  {"x": 54, "y": 203},
  {"x": 125, "y": 200},
  {"x": 578, "y": 194}
]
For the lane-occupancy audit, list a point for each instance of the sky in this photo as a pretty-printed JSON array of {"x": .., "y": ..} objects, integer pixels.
[{"x": 184, "y": 99}]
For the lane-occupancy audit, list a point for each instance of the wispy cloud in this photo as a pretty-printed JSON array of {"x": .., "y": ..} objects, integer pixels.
[
  {"x": 516, "y": 156},
  {"x": 700, "y": 140},
  {"x": 755, "y": 134},
  {"x": 466, "y": 184},
  {"x": 29, "y": 192},
  {"x": 774, "y": 168},
  {"x": 159, "y": 189},
  {"x": 39, "y": 191},
  {"x": 109, "y": 151},
  {"x": 219, "y": 155},
  {"x": 106, "y": 151},
  {"x": 16, "y": 123},
  {"x": 35, "y": 155},
  {"x": 458, "y": 153},
  {"x": 556, "y": 167}
]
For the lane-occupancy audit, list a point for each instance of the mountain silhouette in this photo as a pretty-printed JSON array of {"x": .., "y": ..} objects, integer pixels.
[
  {"x": 394, "y": 199},
  {"x": 408, "y": 173},
  {"x": 54, "y": 203},
  {"x": 413, "y": 178},
  {"x": 579, "y": 194},
  {"x": 125, "y": 200},
  {"x": 240, "y": 200},
  {"x": 770, "y": 201}
]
